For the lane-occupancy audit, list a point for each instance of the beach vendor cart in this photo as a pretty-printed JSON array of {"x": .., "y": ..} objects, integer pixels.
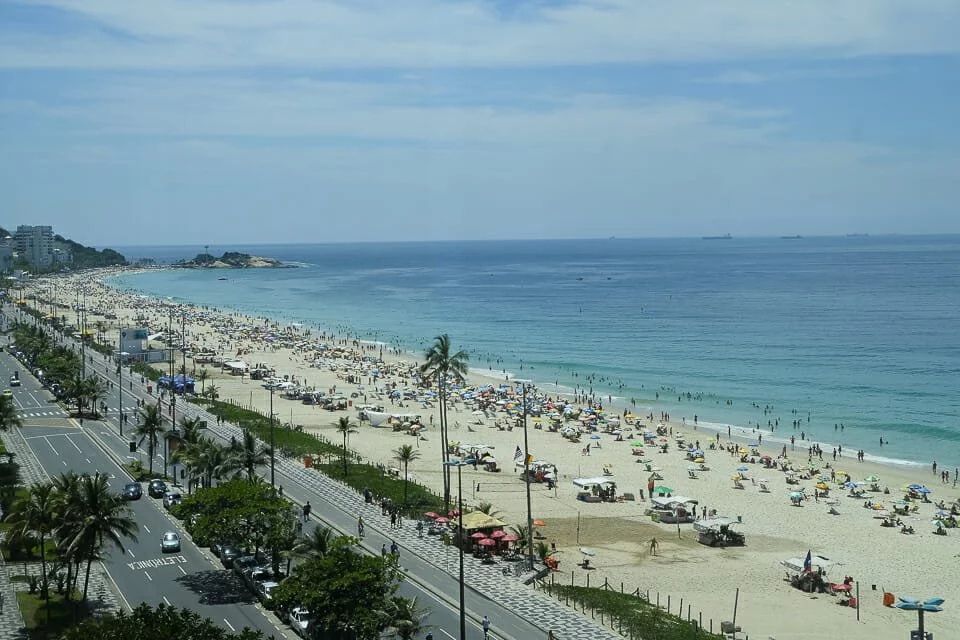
[
  {"x": 718, "y": 532},
  {"x": 809, "y": 574}
]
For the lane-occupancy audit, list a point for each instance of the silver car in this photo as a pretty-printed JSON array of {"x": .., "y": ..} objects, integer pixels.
[{"x": 170, "y": 542}]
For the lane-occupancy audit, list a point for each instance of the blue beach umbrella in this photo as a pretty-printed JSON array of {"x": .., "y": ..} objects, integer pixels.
[
  {"x": 754, "y": 444},
  {"x": 743, "y": 468},
  {"x": 594, "y": 437}
]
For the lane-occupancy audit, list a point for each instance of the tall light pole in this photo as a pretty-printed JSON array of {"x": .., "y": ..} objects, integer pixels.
[
  {"x": 909, "y": 603},
  {"x": 120, "y": 372},
  {"x": 459, "y": 465},
  {"x": 526, "y": 475},
  {"x": 272, "y": 443}
]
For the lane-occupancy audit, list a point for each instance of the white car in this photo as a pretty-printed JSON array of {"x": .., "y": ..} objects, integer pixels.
[
  {"x": 170, "y": 542},
  {"x": 299, "y": 620}
]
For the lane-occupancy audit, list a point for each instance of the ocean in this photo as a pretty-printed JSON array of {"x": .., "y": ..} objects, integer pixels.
[{"x": 859, "y": 331}]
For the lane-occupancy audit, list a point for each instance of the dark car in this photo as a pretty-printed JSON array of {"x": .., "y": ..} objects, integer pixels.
[
  {"x": 246, "y": 562},
  {"x": 171, "y": 498},
  {"x": 132, "y": 491},
  {"x": 157, "y": 488},
  {"x": 217, "y": 547},
  {"x": 229, "y": 553}
]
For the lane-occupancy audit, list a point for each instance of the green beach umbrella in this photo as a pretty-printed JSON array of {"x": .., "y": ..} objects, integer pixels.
[
  {"x": 873, "y": 478},
  {"x": 662, "y": 489},
  {"x": 636, "y": 443}
]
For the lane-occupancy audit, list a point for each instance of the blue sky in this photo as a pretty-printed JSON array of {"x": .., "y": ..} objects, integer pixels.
[{"x": 232, "y": 121}]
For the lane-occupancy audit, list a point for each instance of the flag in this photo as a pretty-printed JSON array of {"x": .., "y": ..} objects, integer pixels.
[
  {"x": 529, "y": 458},
  {"x": 808, "y": 562},
  {"x": 518, "y": 454}
]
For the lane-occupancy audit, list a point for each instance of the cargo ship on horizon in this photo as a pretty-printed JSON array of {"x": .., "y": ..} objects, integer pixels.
[{"x": 725, "y": 236}]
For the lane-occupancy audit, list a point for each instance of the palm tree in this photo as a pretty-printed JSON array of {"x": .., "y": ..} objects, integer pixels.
[
  {"x": 442, "y": 365},
  {"x": 202, "y": 376},
  {"x": 102, "y": 517},
  {"x": 487, "y": 508},
  {"x": 405, "y": 454},
  {"x": 212, "y": 461},
  {"x": 95, "y": 391},
  {"x": 35, "y": 515},
  {"x": 213, "y": 392},
  {"x": 345, "y": 428},
  {"x": 523, "y": 536},
  {"x": 190, "y": 430},
  {"x": 543, "y": 551},
  {"x": 407, "y": 618},
  {"x": 67, "y": 486},
  {"x": 8, "y": 414},
  {"x": 149, "y": 429},
  {"x": 247, "y": 455},
  {"x": 314, "y": 544}
]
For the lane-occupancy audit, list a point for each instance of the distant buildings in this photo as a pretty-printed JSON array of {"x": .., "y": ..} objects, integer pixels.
[
  {"x": 35, "y": 245},
  {"x": 6, "y": 254}
]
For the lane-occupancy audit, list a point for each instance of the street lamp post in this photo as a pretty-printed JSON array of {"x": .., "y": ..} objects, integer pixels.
[
  {"x": 272, "y": 443},
  {"x": 526, "y": 475},
  {"x": 459, "y": 465},
  {"x": 120, "y": 373}
]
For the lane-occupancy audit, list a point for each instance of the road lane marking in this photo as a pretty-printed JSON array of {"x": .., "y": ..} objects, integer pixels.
[
  {"x": 445, "y": 633},
  {"x": 167, "y": 561},
  {"x": 167, "y": 601},
  {"x": 131, "y": 553},
  {"x": 88, "y": 461},
  {"x": 148, "y": 576},
  {"x": 74, "y": 444},
  {"x": 55, "y": 452},
  {"x": 182, "y": 571},
  {"x": 229, "y": 625},
  {"x": 146, "y": 528}
]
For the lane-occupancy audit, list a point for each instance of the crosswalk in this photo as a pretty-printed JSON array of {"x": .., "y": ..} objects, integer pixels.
[{"x": 54, "y": 413}]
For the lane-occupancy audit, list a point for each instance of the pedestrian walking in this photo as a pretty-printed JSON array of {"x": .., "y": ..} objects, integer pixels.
[
  {"x": 486, "y": 628},
  {"x": 383, "y": 550},
  {"x": 306, "y": 511},
  {"x": 360, "y": 526},
  {"x": 394, "y": 549}
]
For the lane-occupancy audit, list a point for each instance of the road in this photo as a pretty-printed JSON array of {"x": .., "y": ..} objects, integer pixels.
[{"x": 436, "y": 590}]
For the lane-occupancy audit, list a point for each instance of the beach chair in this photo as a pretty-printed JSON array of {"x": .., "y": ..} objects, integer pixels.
[
  {"x": 737, "y": 484},
  {"x": 692, "y": 474},
  {"x": 763, "y": 487}
]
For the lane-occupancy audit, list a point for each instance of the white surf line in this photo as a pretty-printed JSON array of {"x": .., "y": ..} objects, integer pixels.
[{"x": 227, "y": 622}]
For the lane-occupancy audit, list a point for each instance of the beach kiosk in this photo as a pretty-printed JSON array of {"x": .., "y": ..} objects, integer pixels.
[{"x": 718, "y": 532}]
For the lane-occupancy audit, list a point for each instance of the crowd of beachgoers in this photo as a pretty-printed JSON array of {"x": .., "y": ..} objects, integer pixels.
[{"x": 605, "y": 478}]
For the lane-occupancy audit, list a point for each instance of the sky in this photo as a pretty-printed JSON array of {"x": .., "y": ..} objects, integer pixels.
[{"x": 262, "y": 121}]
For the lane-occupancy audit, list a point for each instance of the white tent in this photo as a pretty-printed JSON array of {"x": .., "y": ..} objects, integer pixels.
[{"x": 586, "y": 483}]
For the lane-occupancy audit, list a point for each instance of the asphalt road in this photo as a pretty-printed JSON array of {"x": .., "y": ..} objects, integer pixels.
[
  {"x": 143, "y": 574},
  {"x": 173, "y": 581}
]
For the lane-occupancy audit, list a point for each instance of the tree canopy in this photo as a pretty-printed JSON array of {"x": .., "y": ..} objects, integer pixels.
[{"x": 162, "y": 623}]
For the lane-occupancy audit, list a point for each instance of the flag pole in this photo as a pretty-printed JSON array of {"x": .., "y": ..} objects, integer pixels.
[{"x": 526, "y": 475}]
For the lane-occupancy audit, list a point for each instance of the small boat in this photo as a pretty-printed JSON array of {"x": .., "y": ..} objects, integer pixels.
[{"x": 222, "y": 278}]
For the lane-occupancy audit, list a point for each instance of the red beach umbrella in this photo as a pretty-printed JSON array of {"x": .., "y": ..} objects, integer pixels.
[
  {"x": 510, "y": 538},
  {"x": 539, "y": 523},
  {"x": 499, "y": 533},
  {"x": 431, "y": 514},
  {"x": 479, "y": 535},
  {"x": 487, "y": 542},
  {"x": 442, "y": 520}
]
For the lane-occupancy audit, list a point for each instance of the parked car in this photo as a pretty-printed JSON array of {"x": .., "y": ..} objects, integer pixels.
[
  {"x": 170, "y": 542},
  {"x": 263, "y": 592},
  {"x": 132, "y": 491},
  {"x": 217, "y": 547},
  {"x": 14, "y": 382},
  {"x": 228, "y": 555},
  {"x": 246, "y": 562},
  {"x": 171, "y": 498},
  {"x": 157, "y": 488},
  {"x": 299, "y": 620}
]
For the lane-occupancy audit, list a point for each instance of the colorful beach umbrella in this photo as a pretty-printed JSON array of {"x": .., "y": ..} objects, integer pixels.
[
  {"x": 662, "y": 489},
  {"x": 487, "y": 542}
]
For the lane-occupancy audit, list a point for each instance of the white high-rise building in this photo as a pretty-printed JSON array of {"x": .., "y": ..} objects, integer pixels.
[{"x": 35, "y": 245}]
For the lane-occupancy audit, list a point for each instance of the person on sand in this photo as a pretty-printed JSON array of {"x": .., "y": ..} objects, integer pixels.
[{"x": 654, "y": 545}]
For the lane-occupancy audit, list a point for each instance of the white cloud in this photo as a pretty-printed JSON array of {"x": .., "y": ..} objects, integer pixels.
[{"x": 437, "y": 33}]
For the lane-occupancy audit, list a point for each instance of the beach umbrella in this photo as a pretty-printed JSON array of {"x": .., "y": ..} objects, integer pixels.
[
  {"x": 822, "y": 486},
  {"x": 796, "y": 495},
  {"x": 873, "y": 478},
  {"x": 743, "y": 468},
  {"x": 499, "y": 533},
  {"x": 487, "y": 542},
  {"x": 510, "y": 537},
  {"x": 587, "y": 551},
  {"x": 594, "y": 437},
  {"x": 442, "y": 520},
  {"x": 744, "y": 451},
  {"x": 636, "y": 443},
  {"x": 662, "y": 489},
  {"x": 754, "y": 444},
  {"x": 539, "y": 523},
  {"x": 431, "y": 514},
  {"x": 699, "y": 460},
  {"x": 479, "y": 535}
]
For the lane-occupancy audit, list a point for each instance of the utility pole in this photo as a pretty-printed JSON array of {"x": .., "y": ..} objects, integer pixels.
[
  {"x": 272, "y": 443},
  {"x": 526, "y": 476},
  {"x": 120, "y": 372}
]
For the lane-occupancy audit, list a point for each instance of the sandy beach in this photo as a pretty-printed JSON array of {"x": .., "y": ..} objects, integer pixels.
[{"x": 619, "y": 533}]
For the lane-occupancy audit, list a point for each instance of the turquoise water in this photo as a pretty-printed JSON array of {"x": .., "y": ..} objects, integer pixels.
[{"x": 861, "y": 331}]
